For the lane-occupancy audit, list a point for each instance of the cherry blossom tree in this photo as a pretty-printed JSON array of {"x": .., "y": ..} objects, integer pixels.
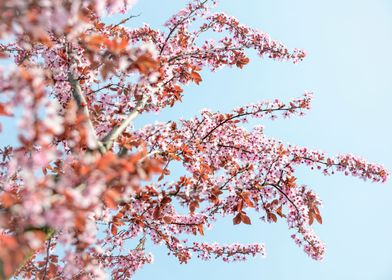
[{"x": 82, "y": 191}]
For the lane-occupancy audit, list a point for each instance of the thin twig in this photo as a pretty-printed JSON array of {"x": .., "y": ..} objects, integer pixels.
[
  {"x": 282, "y": 108},
  {"x": 124, "y": 21},
  {"x": 178, "y": 24},
  {"x": 47, "y": 258}
]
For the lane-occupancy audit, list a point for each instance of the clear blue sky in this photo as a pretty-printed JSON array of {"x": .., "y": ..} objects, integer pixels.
[{"x": 349, "y": 69}]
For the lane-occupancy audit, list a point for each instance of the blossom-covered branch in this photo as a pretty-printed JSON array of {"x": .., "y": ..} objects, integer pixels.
[{"x": 81, "y": 185}]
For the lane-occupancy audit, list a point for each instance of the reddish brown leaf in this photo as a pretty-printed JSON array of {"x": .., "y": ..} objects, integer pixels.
[
  {"x": 167, "y": 219},
  {"x": 110, "y": 198},
  {"x": 95, "y": 42},
  {"x": 193, "y": 205},
  {"x": 241, "y": 62},
  {"x": 311, "y": 218},
  {"x": 272, "y": 216},
  {"x": 280, "y": 213},
  {"x": 157, "y": 213},
  {"x": 114, "y": 229},
  {"x": 319, "y": 219},
  {"x": 200, "y": 229},
  {"x": 174, "y": 157},
  {"x": 145, "y": 64},
  {"x": 245, "y": 219},
  {"x": 106, "y": 160},
  {"x": 4, "y": 111},
  {"x": 237, "y": 219},
  {"x": 245, "y": 197},
  {"x": 161, "y": 177},
  {"x": 196, "y": 77},
  {"x": 166, "y": 200},
  {"x": 80, "y": 222},
  {"x": 52, "y": 270},
  {"x": 8, "y": 199},
  {"x": 290, "y": 182},
  {"x": 119, "y": 45}
]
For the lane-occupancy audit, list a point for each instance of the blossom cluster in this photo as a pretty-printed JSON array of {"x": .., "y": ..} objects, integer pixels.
[
  {"x": 233, "y": 252},
  {"x": 36, "y": 17}
]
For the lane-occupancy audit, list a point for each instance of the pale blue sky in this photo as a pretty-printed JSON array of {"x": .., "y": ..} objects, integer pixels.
[{"x": 349, "y": 69}]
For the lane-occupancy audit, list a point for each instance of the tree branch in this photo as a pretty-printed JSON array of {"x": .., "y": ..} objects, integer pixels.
[
  {"x": 82, "y": 105},
  {"x": 109, "y": 139}
]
